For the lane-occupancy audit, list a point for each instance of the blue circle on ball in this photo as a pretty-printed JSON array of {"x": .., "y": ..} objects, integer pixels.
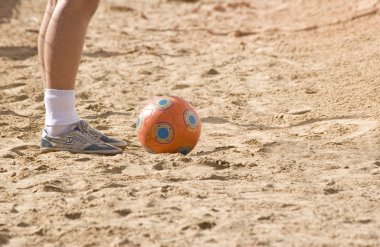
[
  {"x": 192, "y": 120},
  {"x": 185, "y": 150},
  {"x": 163, "y": 102},
  {"x": 163, "y": 133}
]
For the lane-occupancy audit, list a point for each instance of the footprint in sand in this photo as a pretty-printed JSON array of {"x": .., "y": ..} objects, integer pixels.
[
  {"x": 214, "y": 120},
  {"x": 18, "y": 148},
  {"x": 331, "y": 130},
  {"x": 11, "y": 86},
  {"x": 4, "y": 239},
  {"x": 18, "y": 52},
  {"x": 334, "y": 129},
  {"x": 6, "y": 11},
  {"x": 12, "y": 113},
  {"x": 262, "y": 106},
  {"x": 19, "y": 98},
  {"x": 14, "y": 92}
]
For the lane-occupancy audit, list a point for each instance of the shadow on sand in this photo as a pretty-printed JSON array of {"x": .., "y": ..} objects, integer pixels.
[
  {"x": 18, "y": 52},
  {"x": 7, "y": 8}
]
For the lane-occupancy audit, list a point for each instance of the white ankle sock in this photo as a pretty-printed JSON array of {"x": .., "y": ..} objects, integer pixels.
[
  {"x": 57, "y": 130},
  {"x": 60, "y": 111}
]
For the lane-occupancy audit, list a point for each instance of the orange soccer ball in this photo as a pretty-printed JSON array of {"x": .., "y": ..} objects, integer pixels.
[{"x": 168, "y": 125}]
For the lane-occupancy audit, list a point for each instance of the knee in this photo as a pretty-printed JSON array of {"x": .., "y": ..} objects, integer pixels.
[{"x": 82, "y": 7}]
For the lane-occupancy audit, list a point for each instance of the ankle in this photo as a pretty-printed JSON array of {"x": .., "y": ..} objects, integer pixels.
[{"x": 57, "y": 130}]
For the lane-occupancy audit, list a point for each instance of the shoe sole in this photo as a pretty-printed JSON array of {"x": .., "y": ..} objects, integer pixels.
[
  {"x": 109, "y": 152},
  {"x": 118, "y": 145}
]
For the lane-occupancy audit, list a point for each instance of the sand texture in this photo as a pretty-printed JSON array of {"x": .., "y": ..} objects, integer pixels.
[{"x": 289, "y": 95}]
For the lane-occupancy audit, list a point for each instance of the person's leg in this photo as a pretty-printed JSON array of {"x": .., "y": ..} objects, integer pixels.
[
  {"x": 61, "y": 50},
  {"x": 61, "y": 44},
  {"x": 64, "y": 41},
  {"x": 41, "y": 38}
]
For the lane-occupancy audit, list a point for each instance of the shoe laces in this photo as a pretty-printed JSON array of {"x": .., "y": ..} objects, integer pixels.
[{"x": 85, "y": 129}]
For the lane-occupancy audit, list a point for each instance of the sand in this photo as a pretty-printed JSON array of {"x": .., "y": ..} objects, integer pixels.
[{"x": 288, "y": 92}]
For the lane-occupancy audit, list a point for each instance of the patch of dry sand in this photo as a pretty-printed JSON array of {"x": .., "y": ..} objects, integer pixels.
[{"x": 289, "y": 155}]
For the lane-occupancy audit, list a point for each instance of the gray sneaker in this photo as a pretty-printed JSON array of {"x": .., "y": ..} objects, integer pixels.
[
  {"x": 77, "y": 140},
  {"x": 109, "y": 140}
]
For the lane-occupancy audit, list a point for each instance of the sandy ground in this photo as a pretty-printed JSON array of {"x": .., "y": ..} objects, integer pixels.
[{"x": 288, "y": 92}]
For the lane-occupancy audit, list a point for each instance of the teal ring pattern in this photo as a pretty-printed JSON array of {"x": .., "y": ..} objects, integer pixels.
[
  {"x": 163, "y": 133},
  {"x": 191, "y": 119},
  {"x": 164, "y": 103}
]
